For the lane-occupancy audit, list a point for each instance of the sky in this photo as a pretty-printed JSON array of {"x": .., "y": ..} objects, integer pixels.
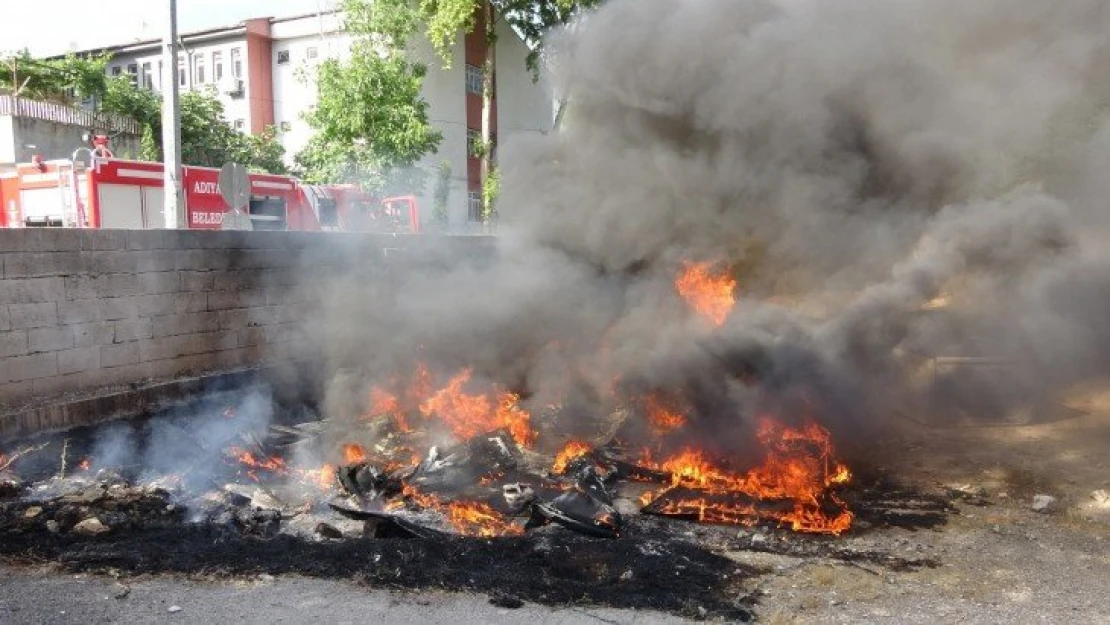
[{"x": 80, "y": 24}]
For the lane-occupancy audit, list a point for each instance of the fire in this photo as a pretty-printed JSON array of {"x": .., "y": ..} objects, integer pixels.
[
  {"x": 710, "y": 294},
  {"x": 353, "y": 453},
  {"x": 570, "y": 452},
  {"x": 322, "y": 478},
  {"x": 478, "y": 519},
  {"x": 85, "y": 464},
  {"x": 799, "y": 468},
  {"x": 273, "y": 464},
  {"x": 662, "y": 418},
  {"x": 383, "y": 402},
  {"x": 470, "y": 415},
  {"x": 466, "y": 517}
]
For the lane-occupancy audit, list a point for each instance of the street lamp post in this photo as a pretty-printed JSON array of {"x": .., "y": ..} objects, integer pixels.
[{"x": 171, "y": 122}]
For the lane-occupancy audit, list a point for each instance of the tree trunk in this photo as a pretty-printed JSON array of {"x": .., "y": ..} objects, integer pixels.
[{"x": 487, "y": 104}]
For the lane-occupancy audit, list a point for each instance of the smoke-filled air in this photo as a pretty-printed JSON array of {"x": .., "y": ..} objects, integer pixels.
[{"x": 756, "y": 208}]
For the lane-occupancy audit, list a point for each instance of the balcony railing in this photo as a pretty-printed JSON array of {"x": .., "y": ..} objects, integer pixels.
[{"x": 63, "y": 114}]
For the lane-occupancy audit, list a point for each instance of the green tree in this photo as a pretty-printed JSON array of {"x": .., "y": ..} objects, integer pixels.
[
  {"x": 370, "y": 119},
  {"x": 445, "y": 19}
]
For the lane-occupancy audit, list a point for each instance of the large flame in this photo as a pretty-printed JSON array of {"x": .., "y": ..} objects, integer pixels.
[
  {"x": 711, "y": 294},
  {"x": 798, "y": 468},
  {"x": 470, "y": 415}
]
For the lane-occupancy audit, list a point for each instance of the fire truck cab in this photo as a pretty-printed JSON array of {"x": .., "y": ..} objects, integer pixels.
[{"x": 124, "y": 194}]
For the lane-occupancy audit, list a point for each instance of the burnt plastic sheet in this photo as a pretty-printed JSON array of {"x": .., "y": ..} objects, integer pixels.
[{"x": 385, "y": 525}]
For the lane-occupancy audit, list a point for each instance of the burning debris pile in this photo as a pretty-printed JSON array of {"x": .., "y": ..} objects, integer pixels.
[{"x": 436, "y": 454}]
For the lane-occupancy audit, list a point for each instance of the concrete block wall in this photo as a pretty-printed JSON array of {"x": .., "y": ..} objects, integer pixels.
[{"x": 87, "y": 311}]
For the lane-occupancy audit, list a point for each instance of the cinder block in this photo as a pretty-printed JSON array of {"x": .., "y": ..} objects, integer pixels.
[
  {"x": 151, "y": 239},
  {"x": 41, "y": 264},
  {"x": 201, "y": 260},
  {"x": 233, "y": 319},
  {"x": 252, "y": 336},
  {"x": 128, "y": 330},
  {"x": 51, "y": 239},
  {"x": 111, "y": 262},
  {"x": 196, "y": 281},
  {"x": 32, "y": 290},
  {"x": 158, "y": 304},
  {"x": 103, "y": 240},
  {"x": 121, "y": 308},
  {"x": 192, "y": 302},
  {"x": 80, "y": 311},
  {"x": 25, "y": 316},
  {"x": 124, "y": 284},
  {"x": 77, "y": 360},
  {"x": 186, "y": 323},
  {"x": 30, "y": 367},
  {"x": 5, "y": 319},
  {"x": 15, "y": 392},
  {"x": 85, "y": 286},
  {"x": 182, "y": 366},
  {"x": 224, "y": 300},
  {"x": 13, "y": 343},
  {"x": 93, "y": 334},
  {"x": 49, "y": 339},
  {"x": 119, "y": 354},
  {"x": 159, "y": 282},
  {"x": 155, "y": 260}
]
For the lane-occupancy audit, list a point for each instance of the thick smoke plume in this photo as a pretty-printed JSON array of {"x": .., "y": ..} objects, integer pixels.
[{"x": 888, "y": 180}]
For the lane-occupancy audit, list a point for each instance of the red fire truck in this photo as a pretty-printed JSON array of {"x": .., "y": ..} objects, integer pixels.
[{"x": 124, "y": 194}]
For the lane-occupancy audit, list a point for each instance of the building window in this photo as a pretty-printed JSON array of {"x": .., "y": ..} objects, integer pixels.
[
  {"x": 198, "y": 68},
  {"x": 237, "y": 63},
  {"x": 283, "y": 57},
  {"x": 133, "y": 74},
  {"x": 116, "y": 70},
  {"x": 473, "y": 79},
  {"x": 217, "y": 66},
  {"x": 148, "y": 77},
  {"x": 286, "y": 126},
  {"x": 473, "y": 142},
  {"x": 240, "y": 124},
  {"x": 311, "y": 53},
  {"x": 474, "y": 206},
  {"x": 182, "y": 78}
]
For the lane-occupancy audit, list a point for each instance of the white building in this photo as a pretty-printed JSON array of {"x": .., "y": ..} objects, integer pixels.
[{"x": 263, "y": 72}]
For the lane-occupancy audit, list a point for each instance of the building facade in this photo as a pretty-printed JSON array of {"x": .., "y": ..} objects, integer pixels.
[{"x": 263, "y": 71}]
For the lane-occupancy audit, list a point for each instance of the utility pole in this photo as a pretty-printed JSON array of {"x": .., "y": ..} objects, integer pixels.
[{"x": 171, "y": 122}]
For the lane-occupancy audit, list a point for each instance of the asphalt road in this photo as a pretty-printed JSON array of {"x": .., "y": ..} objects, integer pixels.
[{"x": 38, "y": 596}]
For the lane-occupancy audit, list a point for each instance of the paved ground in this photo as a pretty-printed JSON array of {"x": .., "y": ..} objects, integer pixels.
[{"x": 38, "y": 596}]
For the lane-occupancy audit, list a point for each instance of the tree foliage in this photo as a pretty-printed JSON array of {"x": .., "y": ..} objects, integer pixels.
[
  {"x": 370, "y": 118},
  {"x": 206, "y": 137}
]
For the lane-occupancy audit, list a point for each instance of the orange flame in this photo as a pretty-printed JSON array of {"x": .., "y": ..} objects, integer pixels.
[
  {"x": 710, "y": 294},
  {"x": 353, "y": 453},
  {"x": 569, "y": 453},
  {"x": 322, "y": 478},
  {"x": 383, "y": 402},
  {"x": 798, "y": 468},
  {"x": 85, "y": 464},
  {"x": 662, "y": 418},
  {"x": 470, "y": 415},
  {"x": 467, "y": 518}
]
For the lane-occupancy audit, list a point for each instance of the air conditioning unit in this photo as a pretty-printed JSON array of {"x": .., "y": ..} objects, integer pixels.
[{"x": 234, "y": 87}]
